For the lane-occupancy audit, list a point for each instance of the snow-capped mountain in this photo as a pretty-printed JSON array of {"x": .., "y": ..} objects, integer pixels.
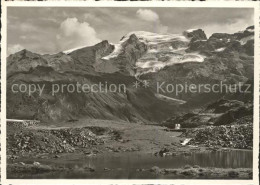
[
  {"x": 154, "y": 41},
  {"x": 142, "y": 52},
  {"x": 162, "y": 50},
  {"x": 187, "y": 58}
]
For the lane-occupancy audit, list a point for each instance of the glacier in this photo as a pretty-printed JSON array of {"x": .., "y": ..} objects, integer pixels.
[{"x": 163, "y": 50}]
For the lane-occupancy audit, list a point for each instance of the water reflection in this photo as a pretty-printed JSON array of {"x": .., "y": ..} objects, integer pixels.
[
  {"x": 232, "y": 159},
  {"x": 128, "y": 165}
]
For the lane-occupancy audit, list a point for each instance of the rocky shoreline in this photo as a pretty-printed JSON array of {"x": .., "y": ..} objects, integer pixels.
[
  {"x": 39, "y": 150},
  {"x": 198, "y": 172},
  {"x": 187, "y": 172}
]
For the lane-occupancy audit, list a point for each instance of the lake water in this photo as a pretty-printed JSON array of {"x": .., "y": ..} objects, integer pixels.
[{"x": 126, "y": 165}]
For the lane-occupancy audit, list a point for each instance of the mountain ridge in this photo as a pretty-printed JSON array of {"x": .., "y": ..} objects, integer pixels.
[{"x": 175, "y": 59}]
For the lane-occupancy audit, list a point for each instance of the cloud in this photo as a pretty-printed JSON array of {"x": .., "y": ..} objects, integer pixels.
[
  {"x": 49, "y": 19},
  {"x": 91, "y": 17},
  {"x": 73, "y": 33},
  {"x": 26, "y": 27},
  {"x": 147, "y": 15},
  {"x": 41, "y": 29},
  {"x": 14, "y": 48}
]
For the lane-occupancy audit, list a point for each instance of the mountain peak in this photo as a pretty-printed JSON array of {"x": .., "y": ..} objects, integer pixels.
[
  {"x": 250, "y": 29},
  {"x": 103, "y": 42},
  {"x": 24, "y": 54},
  {"x": 131, "y": 39},
  {"x": 100, "y": 44},
  {"x": 24, "y": 51}
]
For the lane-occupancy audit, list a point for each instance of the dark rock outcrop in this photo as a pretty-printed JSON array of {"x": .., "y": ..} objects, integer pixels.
[
  {"x": 195, "y": 35},
  {"x": 224, "y": 42}
]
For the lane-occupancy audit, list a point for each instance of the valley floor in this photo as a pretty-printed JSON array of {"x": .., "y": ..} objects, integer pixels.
[{"x": 112, "y": 149}]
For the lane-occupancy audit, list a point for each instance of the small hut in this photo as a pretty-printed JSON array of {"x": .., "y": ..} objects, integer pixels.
[{"x": 177, "y": 126}]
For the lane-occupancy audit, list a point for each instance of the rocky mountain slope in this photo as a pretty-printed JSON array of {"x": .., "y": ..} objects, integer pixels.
[
  {"x": 190, "y": 57},
  {"x": 227, "y": 59}
]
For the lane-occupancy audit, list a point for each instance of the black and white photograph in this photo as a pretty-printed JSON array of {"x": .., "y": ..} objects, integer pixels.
[{"x": 131, "y": 92}]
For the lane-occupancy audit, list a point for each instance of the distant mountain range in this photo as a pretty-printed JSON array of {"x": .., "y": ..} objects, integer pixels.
[{"x": 140, "y": 56}]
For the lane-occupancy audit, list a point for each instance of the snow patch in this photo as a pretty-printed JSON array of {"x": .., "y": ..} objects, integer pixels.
[
  {"x": 220, "y": 49},
  {"x": 243, "y": 41},
  {"x": 73, "y": 49},
  {"x": 192, "y": 57},
  {"x": 189, "y": 57},
  {"x": 186, "y": 141},
  {"x": 115, "y": 53},
  {"x": 199, "y": 40},
  {"x": 250, "y": 30},
  {"x": 191, "y": 30},
  {"x": 154, "y": 38}
]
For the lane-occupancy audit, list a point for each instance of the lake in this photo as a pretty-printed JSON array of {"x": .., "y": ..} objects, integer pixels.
[{"x": 126, "y": 165}]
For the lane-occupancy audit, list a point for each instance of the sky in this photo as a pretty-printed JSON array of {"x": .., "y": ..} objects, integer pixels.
[{"x": 54, "y": 29}]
